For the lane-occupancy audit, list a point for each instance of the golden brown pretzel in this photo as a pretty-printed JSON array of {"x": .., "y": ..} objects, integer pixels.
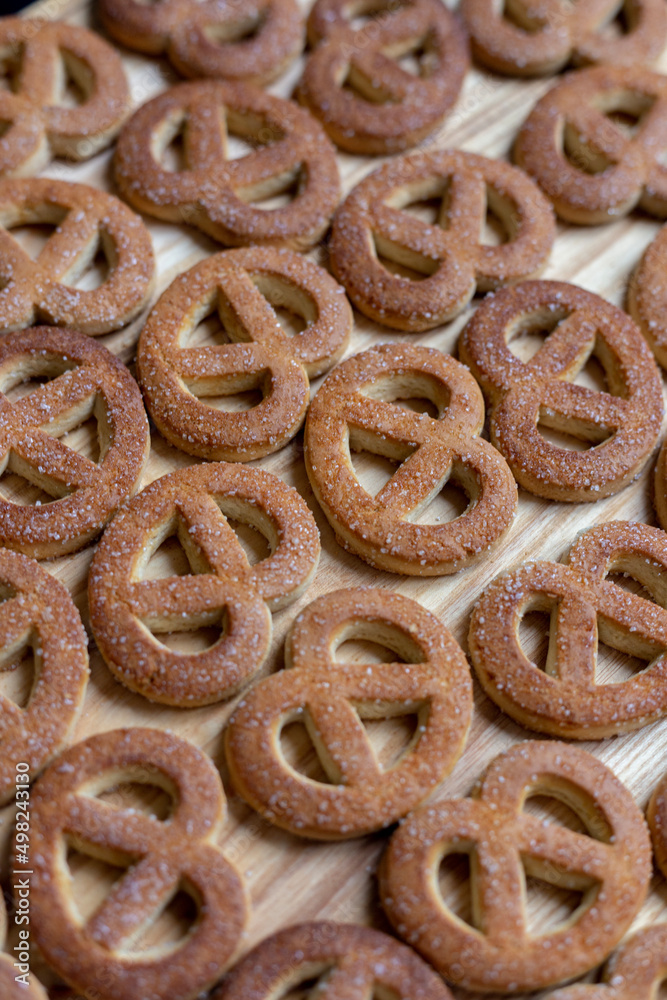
[
  {"x": 585, "y": 163},
  {"x": 621, "y": 424},
  {"x": 86, "y": 380},
  {"x": 392, "y": 109},
  {"x": 647, "y": 296},
  {"x": 565, "y": 700},
  {"x": 450, "y": 253},
  {"x": 657, "y": 821},
  {"x": 331, "y": 697},
  {"x": 357, "y": 408},
  {"x": 611, "y": 864},
  {"x": 37, "y": 611},
  {"x": 223, "y": 589},
  {"x": 349, "y": 961},
  {"x": 37, "y": 52},
  {"x": 87, "y": 220},
  {"x": 217, "y": 194},
  {"x": 242, "y": 286},
  {"x": 253, "y": 42},
  {"x": 161, "y": 857},
  {"x": 634, "y": 972},
  {"x": 534, "y": 39}
]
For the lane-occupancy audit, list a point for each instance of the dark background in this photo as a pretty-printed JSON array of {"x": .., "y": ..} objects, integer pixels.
[{"x": 10, "y": 6}]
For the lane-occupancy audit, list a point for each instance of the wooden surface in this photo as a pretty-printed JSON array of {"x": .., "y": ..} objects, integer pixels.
[{"x": 292, "y": 879}]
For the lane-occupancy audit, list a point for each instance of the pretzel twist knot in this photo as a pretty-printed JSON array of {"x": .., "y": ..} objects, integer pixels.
[
  {"x": 218, "y": 38},
  {"x": 350, "y": 962},
  {"x": 86, "y": 381},
  {"x": 621, "y": 423},
  {"x": 221, "y": 590},
  {"x": 566, "y": 700},
  {"x": 373, "y": 220},
  {"x": 585, "y": 163},
  {"x": 635, "y": 971},
  {"x": 42, "y": 53},
  {"x": 241, "y": 285},
  {"x": 331, "y": 698},
  {"x": 611, "y": 864},
  {"x": 161, "y": 857},
  {"x": 392, "y": 108},
  {"x": 216, "y": 194},
  {"x": 543, "y": 37},
  {"x": 87, "y": 220},
  {"x": 357, "y": 407}
]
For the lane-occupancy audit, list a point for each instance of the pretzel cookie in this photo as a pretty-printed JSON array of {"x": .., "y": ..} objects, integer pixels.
[
  {"x": 373, "y": 220},
  {"x": 535, "y": 39},
  {"x": 332, "y": 697},
  {"x": 635, "y": 972},
  {"x": 241, "y": 286},
  {"x": 222, "y": 589},
  {"x": 589, "y": 167},
  {"x": 254, "y": 42},
  {"x": 87, "y": 221},
  {"x": 621, "y": 424},
  {"x": 385, "y": 108},
  {"x": 86, "y": 381},
  {"x": 358, "y": 407},
  {"x": 11, "y": 988},
  {"x": 217, "y": 194},
  {"x": 348, "y": 961},
  {"x": 98, "y": 956},
  {"x": 40, "y": 56},
  {"x": 610, "y": 865},
  {"x": 565, "y": 700},
  {"x": 647, "y": 296}
]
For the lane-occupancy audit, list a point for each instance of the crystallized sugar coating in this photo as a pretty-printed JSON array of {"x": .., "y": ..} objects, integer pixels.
[
  {"x": 223, "y": 589},
  {"x": 86, "y": 380},
  {"x": 241, "y": 286},
  {"x": 450, "y": 253},
  {"x": 331, "y": 697},
  {"x": 356, "y": 408},
  {"x": 97, "y": 955},
  {"x": 611, "y": 865},
  {"x": 634, "y": 972}
]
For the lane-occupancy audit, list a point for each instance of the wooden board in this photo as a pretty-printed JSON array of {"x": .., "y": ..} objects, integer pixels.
[{"x": 292, "y": 879}]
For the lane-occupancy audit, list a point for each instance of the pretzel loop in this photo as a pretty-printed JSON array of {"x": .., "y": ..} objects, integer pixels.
[
  {"x": 449, "y": 252},
  {"x": 392, "y": 108},
  {"x": 241, "y": 285},
  {"x": 621, "y": 424},
  {"x": 217, "y": 194},
  {"x": 635, "y": 971},
  {"x": 41, "y": 53},
  {"x": 222, "y": 589},
  {"x": 162, "y": 857},
  {"x": 356, "y": 407},
  {"x": 611, "y": 864},
  {"x": 590, "y": 169},
  {"x": 332, "y": 698}
]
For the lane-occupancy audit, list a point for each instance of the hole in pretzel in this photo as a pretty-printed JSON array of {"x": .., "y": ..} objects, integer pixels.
[
  {"x": 32, "y": 237},
  {"x": 77, "y": 81},
  {"x": 571, "y": 435},
  {"x": 299, "y": 752},
  {"x": 549, "y": 906},
  {"x": 242, "y": 28},
  {"x": 451, "y": 501},
  {"x": 170, "y": 927},
  {"x": 621, "y": 20},
  {"x": 612, "y": 666},
  {"x": 454, "y": 875},
  {"x": 534, "y": 635},
  {"x": 392, "y": 738},
  {"x": 19, "y": 674},
  {"x": 363, "y": 87},
  {"x": 91, "y": 879},
  {"x": 11, "y": 61},
  {"x": 137, "y": 796},
  {"x": 519, "y": 13},
  {"x": 361, "y": 13},
  {"x": 373, "y": 472}
]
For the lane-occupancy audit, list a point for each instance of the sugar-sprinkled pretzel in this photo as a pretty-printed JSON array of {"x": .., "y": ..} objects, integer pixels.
[
  {"x": 392, "y": 108},
  {"x": 357, "y": 407},
  {"x": 450, "y": 253},
  {"x": 585, "y": 163},
  {"x": 635, "y": 972},
  {"x": 87, "y": 220},
  {"x": 86, "y": 380},
  {"x": 611, "y": 865},
  {"x": 217, "y": 194},
  {"x": 331, "y": 698},
  {"x": 241, "y": 286},
  {"x": 12, "y": 984},
  {"x": 37, "y": 611},
  {"x": 565, "y": 700},
  {"x": 39, "y": 54},
  {"x": 621, "y": 424},
  {"x": 647, "y": 296},
  {"x": 161, "y": 857},
  {"x": 194, "y": 503},
  {"x": 254, "y": 41},
  {"x": 540, "y": 38},
  {"x": 349, "y": 962},
  {"x": 657, "y": 821}
]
